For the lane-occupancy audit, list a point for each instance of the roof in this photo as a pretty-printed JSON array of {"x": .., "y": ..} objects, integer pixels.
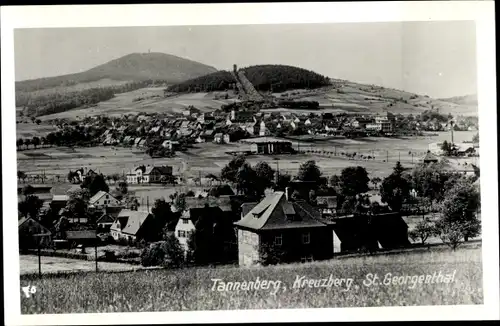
[
  {"x": 223, "y": 202},
  {"x": 60, "y": 198},
  {"x": 130, "y": 221},
  {"x": 247, "y": 207},
  {"x": 276, "y": 212},
  {"x": 98, "y": 196},
  {"x": 81, "y": 234},
  {"x": 429, "y": 157}
]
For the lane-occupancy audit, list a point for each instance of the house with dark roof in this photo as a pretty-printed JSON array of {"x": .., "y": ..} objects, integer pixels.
[
  {"x": 30, "y": 234},
  {"x": 214, "y": 215},
  {"x": 327, "y": 205},
  {"x": 294, "y": 230},
  {"x": 369, "y": 232},
  {"x": 149, "y": 174},
  {"x": 133, "y": 225},
  {"x": 107, "y": 219},
  {"x": 430, "y": 158}
]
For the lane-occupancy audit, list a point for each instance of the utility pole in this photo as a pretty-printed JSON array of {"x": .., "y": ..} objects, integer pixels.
[
  {"x": 387, "y": 156},
  {"x": 95, "y": 241}
]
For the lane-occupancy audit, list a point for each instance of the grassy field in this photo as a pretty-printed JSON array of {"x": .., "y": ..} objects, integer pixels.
[
  {"x": 29, "y": 265},
  {"x": 152, "y": 101},
  {"x": 192, "y": 289}
]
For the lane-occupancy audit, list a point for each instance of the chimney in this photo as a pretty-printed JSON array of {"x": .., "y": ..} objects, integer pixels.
[{"x": 287, "y": 193}]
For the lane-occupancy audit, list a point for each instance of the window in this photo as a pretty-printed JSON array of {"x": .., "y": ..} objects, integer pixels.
[
  {"x": 107, "y": 196},
  {"x": 306, "y": 238},
  {"x": 278, "y": 240},
  {"x": 185, "y": 221},
  {"x": 181, "y": 234}
]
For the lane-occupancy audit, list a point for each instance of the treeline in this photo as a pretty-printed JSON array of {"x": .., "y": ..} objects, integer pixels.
[
  {"x": 277, "y": 78},
  {"x": 280, "y": 78},
  {"x": 217, "y": 81},
  {"x": 59, "y": 102},
  {"x": 429, "y": 115}
]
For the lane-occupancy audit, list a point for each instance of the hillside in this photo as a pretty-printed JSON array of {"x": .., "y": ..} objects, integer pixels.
[
  {"x": 462, "y": 100},
  {"x": 133, "y": 67},
  {"x": 263, "y": 77}
]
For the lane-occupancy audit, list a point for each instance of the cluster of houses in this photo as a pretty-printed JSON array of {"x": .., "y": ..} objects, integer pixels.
[{"x": 304, "y": 231}]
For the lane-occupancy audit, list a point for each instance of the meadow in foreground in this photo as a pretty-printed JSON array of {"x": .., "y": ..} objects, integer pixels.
[{"x": 193, "y": 289}]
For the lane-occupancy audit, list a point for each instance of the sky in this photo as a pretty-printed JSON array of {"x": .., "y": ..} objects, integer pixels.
[{"x": 428, "y": 58}]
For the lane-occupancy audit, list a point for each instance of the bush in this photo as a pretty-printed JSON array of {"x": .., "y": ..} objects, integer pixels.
[{"x": 168, "y": 253}]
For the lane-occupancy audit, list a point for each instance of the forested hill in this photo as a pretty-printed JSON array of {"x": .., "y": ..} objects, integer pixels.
[
  {"x": 133, "y": 67},
  {"x": 277, "y": 78}
]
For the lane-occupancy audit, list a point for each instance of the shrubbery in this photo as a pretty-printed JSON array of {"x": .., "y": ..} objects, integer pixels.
[{"x": 168, "y": 253}]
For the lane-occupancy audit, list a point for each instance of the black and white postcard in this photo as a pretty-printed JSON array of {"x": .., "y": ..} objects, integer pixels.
[{"x": 249, "y": 162}]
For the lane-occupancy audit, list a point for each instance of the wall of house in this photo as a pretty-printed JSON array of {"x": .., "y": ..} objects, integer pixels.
[
  {"x": 295, "y": 246},
  {"x": 182, "y": 230},
  {"x": 106, "y": 200},
  {"x": 248, "y": 247}
]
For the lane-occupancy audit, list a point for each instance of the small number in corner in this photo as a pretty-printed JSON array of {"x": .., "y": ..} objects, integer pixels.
[{"x": 29, "y": 290}]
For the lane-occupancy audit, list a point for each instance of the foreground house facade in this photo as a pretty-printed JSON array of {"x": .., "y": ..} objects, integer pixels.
[
  {"x": 28, "y": 229},
  {"x": 293, "y": 230}
]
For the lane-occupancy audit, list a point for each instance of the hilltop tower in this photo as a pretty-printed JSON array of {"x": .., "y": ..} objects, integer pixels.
[{"x": 235, "y": 68}]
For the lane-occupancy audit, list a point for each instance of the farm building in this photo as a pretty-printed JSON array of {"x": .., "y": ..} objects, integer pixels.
[
  {"x": 133, "y": 225},
  {"x": 149, "y": 174},
  {"x": 103, "y": 199},
  {"x": 430, "y": 158},
  {"x": 371, "y": 232},
  {"x": 294, "y": 228},
  {"x": 28, "y": 228},
  {"x": 271, "y": 146},
  {"x": 214, "y": 215},
  {"x": 107, "y": 218},
  {"x": 81, "y": 237}
]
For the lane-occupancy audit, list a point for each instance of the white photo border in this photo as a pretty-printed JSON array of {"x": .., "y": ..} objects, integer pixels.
[{"x": 482, "y": 12}]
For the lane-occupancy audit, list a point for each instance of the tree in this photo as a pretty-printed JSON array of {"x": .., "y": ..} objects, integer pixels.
[
  {"x": 27, "y": 142},
  {"x": 179, "y": 201},
  {"x": 246, "y": 181},
  {"x": 122, "y": 187},
  {"x": 475, "y": 139},
  {"x": 429, "y": 181},
  {"x": 163, "y": 216},
  {"x": 20, "y": 142},
  {"x": 35, "y": 141},
  {"x": 459, "y": 220},
  {"x": 77, "y": 205},
  {"x": 229, "y": 171},
  {"x": 283, "y": 181},
  {"x": 353, "y": 181},
  {"x": 166, "y": 253},
  {"x": 28, "y": 190},
  {"x": 309, "y": 171},
  {"x": 220, "y": 190},
  {"x": 21, "y": 175},
  {"x": 422, "y": 231},
  {"x": 264, "y": 176},
  {"x": 95, "y": 183},
  {"x": 395, "y": 189},
  {"x": 312, "y": 197},
  {"x": 375, "y": 181},
  {"x": 30, "y": 206}
]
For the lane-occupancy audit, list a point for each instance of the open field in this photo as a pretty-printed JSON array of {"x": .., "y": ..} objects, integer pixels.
[
  {"x": 193, "y": 289},
  {"x": 28, "y": 264},
  {"x": 208, "y": 158},
  {"x": 153, "y": 101},
  {"x": 30, "y": 130}
]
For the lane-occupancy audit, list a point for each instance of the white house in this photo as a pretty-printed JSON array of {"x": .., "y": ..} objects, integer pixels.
[
  {"x": 149, "y": 174},
  {"x": 263, "y": 131},
  {"x": 103, "y": 199},
  {"x": 131, "y": 225}
]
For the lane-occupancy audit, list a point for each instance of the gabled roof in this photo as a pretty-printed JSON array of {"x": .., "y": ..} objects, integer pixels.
[
  {"x": 247, "y": 207},
  {"x": 98, "y": 196},
  {"x": 23, "y": 220},
  {"x": 429, "y": 157},
  {"x": 130, "y": 221},
  {"x": 276, "y": 212}
]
